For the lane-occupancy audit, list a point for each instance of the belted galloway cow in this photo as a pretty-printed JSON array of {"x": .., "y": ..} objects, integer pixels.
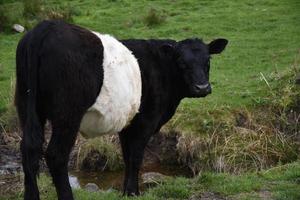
[{"x": 84, "y": 81}]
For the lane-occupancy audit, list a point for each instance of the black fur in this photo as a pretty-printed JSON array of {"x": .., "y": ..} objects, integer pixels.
[
  {"x": 59, "y": 76},
  {"x": 169, "y": 72}
]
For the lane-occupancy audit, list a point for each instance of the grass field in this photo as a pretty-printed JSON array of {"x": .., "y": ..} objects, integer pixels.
[
  {"x": 263, "y": 38},
  {"x": 257, "y": 69}
]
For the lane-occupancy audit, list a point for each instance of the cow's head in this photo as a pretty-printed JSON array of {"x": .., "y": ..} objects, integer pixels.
[{"x": 192, "y": 57}]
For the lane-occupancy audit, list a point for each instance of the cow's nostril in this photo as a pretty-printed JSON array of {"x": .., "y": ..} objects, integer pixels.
[{"x": 202, "y": 87}]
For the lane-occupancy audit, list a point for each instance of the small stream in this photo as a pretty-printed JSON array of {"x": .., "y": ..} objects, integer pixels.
[{"x": 113, "y": 180}]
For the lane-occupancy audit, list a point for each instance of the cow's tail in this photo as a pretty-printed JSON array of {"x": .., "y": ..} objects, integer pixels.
[{"x": 33, "y": 136}]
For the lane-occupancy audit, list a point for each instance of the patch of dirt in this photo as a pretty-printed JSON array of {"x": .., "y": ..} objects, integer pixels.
[
  {"x": 241, "y": 120},
  {"x": 208, "y": 196},
  {"x": 161, "y": 149},
  {"x": 94, "y": 161},
  {"x": 10, "y": 164},
  {"x": 10, "y": 157},
  {"x": 10, "y": 160},
  {"x": 265, "y": 195},
  {"x": 10, "y": 184},
  {"x": 2, "y": 139}
]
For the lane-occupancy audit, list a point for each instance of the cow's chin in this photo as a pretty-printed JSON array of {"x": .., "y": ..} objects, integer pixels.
[{"x": 195, "y": 94}]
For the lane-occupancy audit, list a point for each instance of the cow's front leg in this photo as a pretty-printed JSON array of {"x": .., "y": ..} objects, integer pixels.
[
  {"x": 133, "y": 145},
  {"x": 135, "y": 162}
]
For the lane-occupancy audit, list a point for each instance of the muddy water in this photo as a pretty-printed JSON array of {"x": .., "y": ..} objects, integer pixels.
[{"x": 113, "y": 180}]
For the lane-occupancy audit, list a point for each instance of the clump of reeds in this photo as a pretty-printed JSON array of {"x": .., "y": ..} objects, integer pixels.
[
  {"x": 101, "y": 153},
  {"x": 154, "y": 17}
]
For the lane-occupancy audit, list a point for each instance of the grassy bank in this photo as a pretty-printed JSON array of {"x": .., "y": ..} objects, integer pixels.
[{"x": 281, "y": 182}]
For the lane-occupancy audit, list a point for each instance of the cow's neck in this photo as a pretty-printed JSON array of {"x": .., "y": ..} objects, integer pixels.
[
  {"x": 175, "y": 79},
  {"x": 177, "y": 83},
  {"x": 148, "y": 57}
]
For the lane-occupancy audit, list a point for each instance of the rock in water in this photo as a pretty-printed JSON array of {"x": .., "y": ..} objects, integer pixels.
[
  {"x": 153, "y": 178},
  {"x": 91, "y": 187},
  {"x": 18, "y": 28},
  {"x": 74, "y": 182}
]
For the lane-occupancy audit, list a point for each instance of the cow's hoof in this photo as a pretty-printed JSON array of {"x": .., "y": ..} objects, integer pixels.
[
  {"x": 130, "y": 193},
  {"x": 31, "y": 196}
]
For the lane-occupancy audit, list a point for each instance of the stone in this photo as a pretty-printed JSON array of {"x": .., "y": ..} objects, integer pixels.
[
  {"x": 18, "y": 28},
  {"x": 153, "y": 178},
  {"x": 110, "y": 190},
  {"x": 74, "y": 182},
  {"x": 91, "y": 187}
]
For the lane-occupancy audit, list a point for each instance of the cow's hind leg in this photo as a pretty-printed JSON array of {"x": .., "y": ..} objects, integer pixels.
[
  {"x": 64, "y": 134},
  {"x": 31, "y": 155},
  {"x": 30, "y": 146}
]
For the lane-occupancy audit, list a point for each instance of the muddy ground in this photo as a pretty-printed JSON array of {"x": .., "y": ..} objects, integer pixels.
[{"x": 161, "y": 150}]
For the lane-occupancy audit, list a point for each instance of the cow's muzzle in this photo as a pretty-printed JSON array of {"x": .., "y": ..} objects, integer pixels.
[{"x": 202, "y": 90}]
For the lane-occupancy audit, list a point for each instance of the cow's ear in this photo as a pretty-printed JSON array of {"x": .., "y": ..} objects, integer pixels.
[
  {"x": 217, "y": 46},
  {"x": 167, "y": 50}
]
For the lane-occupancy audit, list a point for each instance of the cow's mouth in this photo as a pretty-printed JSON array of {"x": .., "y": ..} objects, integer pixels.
[{"x": 201, "y": 90}]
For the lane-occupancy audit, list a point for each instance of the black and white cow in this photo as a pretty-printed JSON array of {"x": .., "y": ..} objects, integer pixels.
[{"x": 84, "y": 81}]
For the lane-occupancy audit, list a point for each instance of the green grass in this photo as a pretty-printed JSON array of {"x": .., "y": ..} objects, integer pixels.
[
  {"x": 104, "y": 146},
  {"x": 8, "y": 45},
  {"x": 281, "y": 182},
  {"x": 263, "y": 37}
]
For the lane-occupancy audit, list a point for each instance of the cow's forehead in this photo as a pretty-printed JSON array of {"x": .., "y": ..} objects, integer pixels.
[
  {"x": 191, "y": 47},
  {"x": 193, "y": 44}
]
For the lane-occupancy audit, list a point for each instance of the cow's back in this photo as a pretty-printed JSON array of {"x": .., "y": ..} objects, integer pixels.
[{"x": 69, "y": 68}]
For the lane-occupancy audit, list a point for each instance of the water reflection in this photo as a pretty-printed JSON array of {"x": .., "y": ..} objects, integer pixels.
[{"x": 113, "y": 180}]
